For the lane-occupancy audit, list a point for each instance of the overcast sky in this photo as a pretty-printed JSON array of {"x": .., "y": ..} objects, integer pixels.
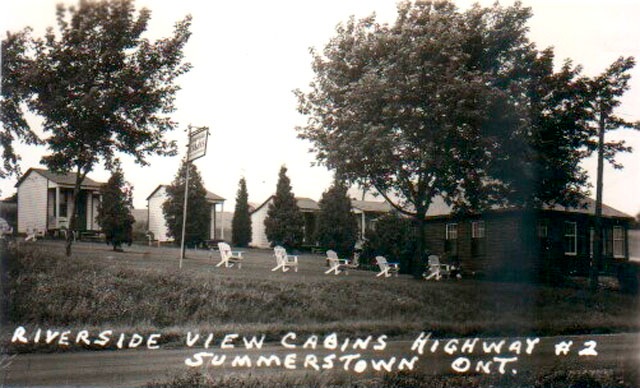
[{"x": 249, "y": 55}]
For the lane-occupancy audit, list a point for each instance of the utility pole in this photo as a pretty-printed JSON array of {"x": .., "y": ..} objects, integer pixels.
[
  {"x": 186, "y": 197},
  {"x": 196, "y": 148},
  {"x": 596, "y": 260}
]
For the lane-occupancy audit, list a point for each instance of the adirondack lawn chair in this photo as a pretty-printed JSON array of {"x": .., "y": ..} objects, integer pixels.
[
  {"x": 436, "y": 270},
  {"x": 386, "y": 268},
  {"x": 336, "y": 265},
  {"x": 284, "y": 261},
  {"x": 33, "y": 235},
  {"x": 228, "y": 257}
]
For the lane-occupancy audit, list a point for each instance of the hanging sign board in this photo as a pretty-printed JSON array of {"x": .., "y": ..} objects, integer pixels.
[{"x": 198, "y": 143}]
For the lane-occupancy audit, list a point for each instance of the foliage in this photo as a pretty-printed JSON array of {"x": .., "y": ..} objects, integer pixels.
[
  {"x": 114, "y": 212},
  {"x": 284, "y": 223},
  {"x": 447, "y": 103},
  {"x": 241, "y": 222},
  {"x": 100, "y": 87},
  {"x": 198, "y": 209},
  {"x": 14, "y": 63},
  {"x": 337, "y": 227},
  {"x": 393, "y": 239},
  {"x": 629, "y": 278},
  {"x": 603, "y": 97}
]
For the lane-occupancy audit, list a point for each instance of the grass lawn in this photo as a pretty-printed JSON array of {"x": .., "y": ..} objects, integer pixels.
[{"x": 143, "y": 290}]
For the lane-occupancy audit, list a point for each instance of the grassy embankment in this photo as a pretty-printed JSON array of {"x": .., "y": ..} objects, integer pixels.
[{"x": 144, "y": 292}]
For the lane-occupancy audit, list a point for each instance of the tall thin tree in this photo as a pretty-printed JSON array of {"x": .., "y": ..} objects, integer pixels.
[
  {"x": 602, "y": 98},
  {"x": 114, "y": 212},
  {"x": 198, "y": 210},
  {"x": 284, "y": 224},
  {"x": 337, "y": 226},
  {"x": 241, "y": 222}
]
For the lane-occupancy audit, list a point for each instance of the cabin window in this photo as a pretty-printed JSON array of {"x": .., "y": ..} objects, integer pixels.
[
  {"x": 452, "y": 232},
  {"x": 451, "y": 237},
  {"x": 63, "y": 204},
  {"x": 477, "y": 229},
  {"x": 570, "y": 238},
  {"x": 543, "y": 229},
  {"x": 618, "y": 241},
  {"x": 592, "y": 236}
]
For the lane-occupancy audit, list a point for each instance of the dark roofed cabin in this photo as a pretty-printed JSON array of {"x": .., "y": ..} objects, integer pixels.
[{"x": 517, "y": 244}]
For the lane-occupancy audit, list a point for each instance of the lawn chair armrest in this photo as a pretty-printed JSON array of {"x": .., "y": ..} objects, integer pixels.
[{"x": 237, "y": 254}]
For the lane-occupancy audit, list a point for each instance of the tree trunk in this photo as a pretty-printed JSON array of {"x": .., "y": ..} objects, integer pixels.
[
  {"x": 74, "y": 211},
  {"x": 419, "y": 261}
]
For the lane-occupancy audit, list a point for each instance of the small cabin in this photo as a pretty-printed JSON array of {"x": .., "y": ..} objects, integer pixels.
[{"x": 45, "y": 200}]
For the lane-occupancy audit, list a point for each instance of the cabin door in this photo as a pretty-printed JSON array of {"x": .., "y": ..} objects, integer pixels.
[{"x": 82, "y": 211}]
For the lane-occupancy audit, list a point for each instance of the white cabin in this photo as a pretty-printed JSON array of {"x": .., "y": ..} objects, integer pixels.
[
  {"x": 44, "y": 199},
  {"x": 309, "y": 209},
  {"x": 158, "y": 226}
]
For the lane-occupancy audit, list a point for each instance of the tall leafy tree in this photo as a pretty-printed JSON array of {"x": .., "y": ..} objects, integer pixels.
[
  {"x": 15, "y": 63},
  {"x": 284, "y": 224},
  {"x": 101, "y": 88},
  {"x": 337, "y": 226},
  {"x": 602, "y": 98},
  {"x": 198, "y": 209},
  {"x": 114, "y": 212},
  {"x": 241, "y": 222},
  {"x": 442, "y": 103}
]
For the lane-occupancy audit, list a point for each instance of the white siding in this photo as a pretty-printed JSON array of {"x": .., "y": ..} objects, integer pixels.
[
  {"x": 32, "y": 203},
  {"x": 258, "y": 235},
  {"x": 213, "y": 225},
  {"x": 157, "y": 224}
]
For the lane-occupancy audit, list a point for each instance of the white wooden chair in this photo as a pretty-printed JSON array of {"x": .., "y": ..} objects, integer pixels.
[
  {"x": 336, "y": 264},
  {"x": 228, "y": 257},
  {"x": 33, "y": 235},
  {"x": 387, "y": 268},
  {"x": 436, "y": 270},
  {"x": 284, "y": 261}
]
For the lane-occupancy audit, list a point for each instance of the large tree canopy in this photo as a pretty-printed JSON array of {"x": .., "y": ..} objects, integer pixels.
[
  {"x": 99, "y": 86},
  {"x": 14, "y": 69},
  {"x": 447, "y": 103},
  {"x": 444, "y": 103}
]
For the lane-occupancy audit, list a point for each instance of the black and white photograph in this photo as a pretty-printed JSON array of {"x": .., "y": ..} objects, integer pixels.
[{"x": 339, "y": 193}]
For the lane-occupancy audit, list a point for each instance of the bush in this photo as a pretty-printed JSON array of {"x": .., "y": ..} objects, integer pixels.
[
  {"x": 628, "y": 275},
  {"x": 393, "y": 239}
]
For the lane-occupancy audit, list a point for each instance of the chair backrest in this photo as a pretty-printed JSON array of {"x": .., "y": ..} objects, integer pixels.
[
  {"x": 356, "y": 259},
  {"x": 332, "y": 255},
  {"x": 280, "y": 253},
  {"x": 434, "y": 260},
  {"x": 225, "y": 249},
  {"x": 382, "y": 262}
]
